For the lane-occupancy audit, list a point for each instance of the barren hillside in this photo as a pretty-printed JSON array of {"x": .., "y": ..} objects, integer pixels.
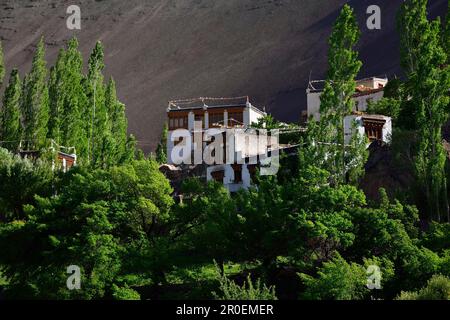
[{"x": 159, "y": 50}]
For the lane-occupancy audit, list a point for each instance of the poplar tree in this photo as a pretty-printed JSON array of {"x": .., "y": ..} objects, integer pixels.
[
  {"x": 161, "y": 156},
  {"x": 411, "y": 21},
  {"x": 2, "y": 65},
  {"x": 55, "y": 102},
  {"x": 118, "y": 124},
  {"x": 336, "y": 103},
  {"x": 72, "y": 115},
  {"x": 35, "y": 101},
  {"x": 428, "y": 82},
  {"x": 98, "y": 124},
  {"x": 10, "y": 113},
  {"x": 446, "y": 34}
]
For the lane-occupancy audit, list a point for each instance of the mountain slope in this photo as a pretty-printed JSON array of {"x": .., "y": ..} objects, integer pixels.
[{"x": 159, "y": 50}]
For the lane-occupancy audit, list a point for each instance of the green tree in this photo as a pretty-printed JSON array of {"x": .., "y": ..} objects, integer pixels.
[
  {"x": 55, "y": 99},
  {"x": 424, "y": 58},
  {"x": 437, "y": 288},
  {"x": 118, "y": 125},
  {"x": 125, "y": 293},
  {"x": 248, "y": 291},
  {"x": 390, "y": 104},
  {"x": 21, "y": 181},
  {"x": 71, "y": 100},
  {"x": 98, "y": 124},
  {"x": 106, "y": 222},
  {"x": 35, "y": 109},
  {"x": 10, "y": 128},
  {"x": 2, "y": 65},
  {"x": 336, "y": 280},
  {"x": 336, "y": 102},
  {"x": 446, "y": 35},
  {"x": 161, "y": 156},
  {"x": 411, "y": 21}
]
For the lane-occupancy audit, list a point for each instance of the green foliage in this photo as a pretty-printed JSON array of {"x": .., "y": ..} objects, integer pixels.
[
  {"x": 446, "y": 34},
  {"x": 35, "y": 108},
  {"x": 96, "y": 220},
  {"x": 118, "y": 152},
  {"x": 329, "y": 149},
  {"x": 115, "y": 217},
  {"x": 2, "y": 65},
  {"x": 125, "y": 293},
  {"x": 21, "y": 180},
  {"x": 391, "y": 103},
  {"x": 437, "y": 288},
  {"x": 411, "y": 22},
  {"x": 407, "y": 214},
  {"x": 70, "y": 100},
  {"x": 161, "y": 156},
  {"x": 55, "y": 99},
  {"x": 78, "y": 112},
  {"x": 336, "y": 280},
  {"x": 424, "y": 60},
  {"x": 437, "y": 237},
  {"x": 10, "y": 128},
  {"x": 100, "y": 141},
  {"x": 229, "y": 290}
]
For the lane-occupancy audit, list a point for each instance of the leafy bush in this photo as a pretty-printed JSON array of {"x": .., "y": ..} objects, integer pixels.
[
  {"x": 248, "y": 291},
  {"x": 125, "y": 293},
  {"x": 336, "y": 280},
  {"x": 437, "y": 288}
]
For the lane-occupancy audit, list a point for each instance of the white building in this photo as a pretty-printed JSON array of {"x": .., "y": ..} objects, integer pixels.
[
  {"x": 220, "y": 114},
  {"x": 376, "y": 127},
  {"x": 369, "y": 89}
]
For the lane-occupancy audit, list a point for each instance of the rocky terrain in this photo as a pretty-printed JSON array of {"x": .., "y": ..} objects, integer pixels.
[{"x": 159, "y": 50}]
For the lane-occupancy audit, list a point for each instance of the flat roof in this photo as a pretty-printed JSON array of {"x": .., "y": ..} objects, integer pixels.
[
  {"x": 211, "y": 103},
  {"x": 318, "y": 85}
]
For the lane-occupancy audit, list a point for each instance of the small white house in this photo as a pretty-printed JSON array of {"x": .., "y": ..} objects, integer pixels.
[
  {"x": 369, "y": 89},
  {"x": 375, "y": 127},
  {"x": 221, "y": 114}
]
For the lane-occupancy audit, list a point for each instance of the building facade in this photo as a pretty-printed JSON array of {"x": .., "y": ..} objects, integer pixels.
[
  {"x": 375, "y": 127},
  {"x": 221, "y": 114},
  {"x": 369, "y": 89}
]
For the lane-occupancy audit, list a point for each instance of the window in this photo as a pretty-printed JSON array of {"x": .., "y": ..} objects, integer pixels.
[
  {"x": 237, "y": 173},
  {"x": 178, "y": 122},
  {"x": 218, "y": 175},
  {"x": 215, "y": 119},
  {"x": 199, "y": 117},
  {"x": 235, "y": 118}
]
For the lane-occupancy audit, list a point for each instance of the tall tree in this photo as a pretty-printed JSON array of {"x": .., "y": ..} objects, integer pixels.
[
  {"x": 161, "y": 156},
  {"x": 10, "y": 113},
  {"x": 336, "y": 102},
  {"x": 118, "y": 123},
  {"x": 411, "y": 20},
  {"x": 2, "y": 65},
  {"x": 71, "y": 112},
  {"x": 98, "y": 125},
  {"x": 424, "y": 59},
  {"x": 35, "y": 101},
  {"x": 55, "y": 100},
  {"x": 446, "y": 34}
]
